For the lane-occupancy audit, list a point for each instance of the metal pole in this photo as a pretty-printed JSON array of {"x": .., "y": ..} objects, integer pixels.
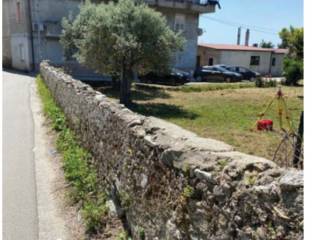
[{"x": 297, "y": 148}]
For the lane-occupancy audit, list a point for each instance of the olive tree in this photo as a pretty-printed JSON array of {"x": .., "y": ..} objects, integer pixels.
[{"x": 121, "y": 38}]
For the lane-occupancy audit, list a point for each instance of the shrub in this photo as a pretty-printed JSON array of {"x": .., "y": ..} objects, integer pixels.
[
  {"x": 293, "y": 71},
  {"x": 271, "y": 83},
  {"x": 123, "y": 236},
  {"x": 141, "y": 233},
  {"x": 93, "y": 214},
  {"x": 188, "y": 191},
  {"x": 260, "y": 83}
]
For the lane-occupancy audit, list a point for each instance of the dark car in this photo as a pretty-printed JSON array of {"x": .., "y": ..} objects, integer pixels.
[
  {"x": 174, "y": 77},
  {"x": 216, "y": 74},
  {"x": 246, "y": 73}
]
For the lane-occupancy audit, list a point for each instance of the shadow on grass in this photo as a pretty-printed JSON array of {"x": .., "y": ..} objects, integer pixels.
[
  {"x": 137, "y": 94},
  {"x": 162, "y": 110}
]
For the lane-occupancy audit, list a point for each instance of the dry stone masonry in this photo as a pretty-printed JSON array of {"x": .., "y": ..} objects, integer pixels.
[{"x": 172, "y": 184}]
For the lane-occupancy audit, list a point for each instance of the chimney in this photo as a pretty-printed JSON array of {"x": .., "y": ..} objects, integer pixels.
[
  {"x": 247, "y": 37},
  {"x": 239, "y": 36}
]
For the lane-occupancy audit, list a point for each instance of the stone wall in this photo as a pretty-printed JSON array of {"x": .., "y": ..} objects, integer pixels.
[{"x": 173, "y": 184}]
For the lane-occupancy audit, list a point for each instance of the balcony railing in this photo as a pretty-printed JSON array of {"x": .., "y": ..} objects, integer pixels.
[{"x": 202, "y": 6}]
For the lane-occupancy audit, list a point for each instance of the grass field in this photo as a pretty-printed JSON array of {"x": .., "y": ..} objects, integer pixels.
[{"x": 226, "y": 114}]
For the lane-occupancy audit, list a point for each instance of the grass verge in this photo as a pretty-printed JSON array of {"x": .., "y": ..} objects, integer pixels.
[{"x": 81, "y": 176}]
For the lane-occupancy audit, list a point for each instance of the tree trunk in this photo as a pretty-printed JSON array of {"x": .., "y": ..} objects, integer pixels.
[{"x": 125, "y": 87}]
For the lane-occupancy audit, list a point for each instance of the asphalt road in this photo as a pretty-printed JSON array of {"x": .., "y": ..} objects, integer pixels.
[{"x": 20, "y": 218}]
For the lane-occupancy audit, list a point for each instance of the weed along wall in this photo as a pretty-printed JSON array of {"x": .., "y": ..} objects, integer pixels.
[{"x": 173, "y": 184}]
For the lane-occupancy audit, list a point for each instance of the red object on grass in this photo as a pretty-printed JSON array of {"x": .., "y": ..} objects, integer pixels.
[{"x": 264, "y": 124}]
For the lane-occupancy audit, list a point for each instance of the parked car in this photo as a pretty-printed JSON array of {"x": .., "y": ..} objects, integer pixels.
[
  {"x": 174, "y": 77},
  {"x": 216, "y": 74},
  {"x": 246, "y": 73}
]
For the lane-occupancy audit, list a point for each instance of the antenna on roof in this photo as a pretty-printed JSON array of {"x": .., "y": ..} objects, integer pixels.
[
  {"x": 239, "y": 36},
  {"x": 247, "y": 37}
]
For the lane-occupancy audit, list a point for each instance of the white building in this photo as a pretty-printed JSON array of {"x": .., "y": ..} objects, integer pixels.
[{"x": 262, "y": 60}]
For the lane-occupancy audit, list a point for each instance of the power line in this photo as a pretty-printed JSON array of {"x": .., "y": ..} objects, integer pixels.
[
  {"x": 235, "y": 24},
  {"x": 241, "y": 24}
]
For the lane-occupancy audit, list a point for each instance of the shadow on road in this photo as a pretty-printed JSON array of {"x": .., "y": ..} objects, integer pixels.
[{"x": 19, "y": 72}]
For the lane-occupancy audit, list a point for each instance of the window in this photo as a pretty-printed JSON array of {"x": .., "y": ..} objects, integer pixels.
[
  {"x": 255, "y": 60},
  {"x": 242, "y": 70},
  {"x": 273, "y": 62},
  {"x": 21, "y": 52},
  {"x": 18, "y": 12},
  {"x": 179, "y": 22},
  {"x": 210, "y": 62}
]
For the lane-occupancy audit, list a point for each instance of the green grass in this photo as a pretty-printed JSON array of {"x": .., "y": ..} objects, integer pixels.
[
  {"x": 228, "y": 114},
  {"x": 78, "y": 172},
  {"x": 194, "y": 87},
  {"x": 215, "y": 86}
]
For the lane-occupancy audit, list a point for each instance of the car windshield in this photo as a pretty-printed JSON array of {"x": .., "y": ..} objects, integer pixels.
[
  {"x": 241, "y": 69},
  {"x": 222, "y": 66},
  {"x": 221, "y": 69}
]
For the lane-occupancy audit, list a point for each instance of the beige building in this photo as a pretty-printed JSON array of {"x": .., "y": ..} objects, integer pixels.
[
  {"x": 32, "y": 29},
  {"x": 262, "y": 60}
]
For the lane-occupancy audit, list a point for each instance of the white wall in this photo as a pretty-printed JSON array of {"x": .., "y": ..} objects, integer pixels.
[
  {"x": 242, "y": 58},
  {"x": 186, "y": 59},
  {"x": 277, "y": 70},
  {"x": 21, "y": 51}
]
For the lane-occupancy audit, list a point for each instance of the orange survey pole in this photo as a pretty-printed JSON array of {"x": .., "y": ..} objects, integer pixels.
[{"x": 280, "y": 109}]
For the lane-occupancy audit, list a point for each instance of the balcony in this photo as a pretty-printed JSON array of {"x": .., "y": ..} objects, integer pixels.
[{"x": 199, "y": 6}]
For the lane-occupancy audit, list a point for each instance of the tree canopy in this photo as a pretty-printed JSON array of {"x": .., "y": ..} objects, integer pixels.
[
  {"x": 121, "y": 38},
  {"x": 292, "y": 39},
  {"x": 265, "y": 44}
]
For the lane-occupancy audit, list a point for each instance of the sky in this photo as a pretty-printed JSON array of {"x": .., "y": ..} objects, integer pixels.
[{"x": 265, "y": 19}]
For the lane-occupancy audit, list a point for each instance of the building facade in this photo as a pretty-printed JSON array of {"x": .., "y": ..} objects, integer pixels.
[
  {"x": 263, "y": 60},
  {"x": 33, "y": 27},
  {"x": 6, "y": 36},
  {"x": 16, "y": 34}
]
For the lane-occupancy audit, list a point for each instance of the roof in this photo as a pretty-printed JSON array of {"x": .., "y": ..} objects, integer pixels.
[{"x": 230, "y": 47}]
